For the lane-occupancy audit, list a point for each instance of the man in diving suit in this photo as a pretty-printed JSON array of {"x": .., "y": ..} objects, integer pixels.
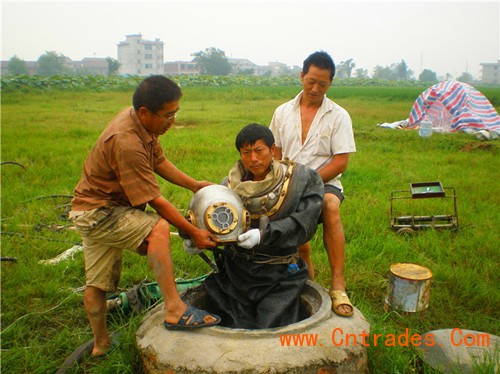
[{"x": 262, "y": 274}]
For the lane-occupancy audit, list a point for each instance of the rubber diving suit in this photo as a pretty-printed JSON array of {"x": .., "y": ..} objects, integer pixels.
[{"x": 260, "y": 288}]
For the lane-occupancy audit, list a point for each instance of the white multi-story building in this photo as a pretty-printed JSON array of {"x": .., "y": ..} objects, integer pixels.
[
  {"x": 491, "y": 72},
  {"x": 138, "y": 56}
]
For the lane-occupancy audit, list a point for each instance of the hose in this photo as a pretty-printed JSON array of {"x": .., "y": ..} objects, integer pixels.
[
  {"x": 83, "y": 350},
  {"x": 13, "y": 163}
]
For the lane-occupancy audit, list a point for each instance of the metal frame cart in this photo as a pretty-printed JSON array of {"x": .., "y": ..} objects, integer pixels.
[{"x": 424, "y": 190}]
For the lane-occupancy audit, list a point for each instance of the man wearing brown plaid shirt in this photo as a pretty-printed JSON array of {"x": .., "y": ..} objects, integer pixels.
[{"x": 118, "y": 182}]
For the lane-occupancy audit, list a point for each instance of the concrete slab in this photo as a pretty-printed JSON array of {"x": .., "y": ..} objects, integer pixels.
[{"x": 464, "y": 351}]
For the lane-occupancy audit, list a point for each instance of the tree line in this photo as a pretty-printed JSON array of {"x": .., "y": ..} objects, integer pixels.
[
  {"x": 395, "y": 72},
  {"x": 213, "y": 61},
  {"x": 53, "y": 63}
]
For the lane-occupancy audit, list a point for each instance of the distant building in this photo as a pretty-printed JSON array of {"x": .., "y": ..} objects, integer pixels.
[
  {"x": 243, "y": 65},
  {"x": 138, "y": 56},
  {"x": 272, "y": 69},
  {"x": 92, "y": 66},
  {"x": 238, "y": 65},
  {"x": 180, "y": 68},
  {"x": 275, "y": 69},
  {"x": 490, "y": 72},
  {"x": 68, "y": 65}
]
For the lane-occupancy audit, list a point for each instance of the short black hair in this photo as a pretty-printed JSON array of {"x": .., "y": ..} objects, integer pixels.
[
  {"x": 154, "y": 91},
  {"x": 253, "y": 132},
  {"x": 321, "y": 60}
]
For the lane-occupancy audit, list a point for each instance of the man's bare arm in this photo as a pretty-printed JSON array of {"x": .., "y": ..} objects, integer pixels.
[
  {"x": 171, "y": 173},
  {"x": 337, "y": 166}
]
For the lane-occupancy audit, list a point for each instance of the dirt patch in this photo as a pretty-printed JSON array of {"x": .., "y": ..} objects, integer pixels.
[{"x": 471, "y": 147}]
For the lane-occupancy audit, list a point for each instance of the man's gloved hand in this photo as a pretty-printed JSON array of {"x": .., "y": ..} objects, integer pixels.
[
  {"x": 190, "y": 248},
  {"x": 249, "y": 239}
]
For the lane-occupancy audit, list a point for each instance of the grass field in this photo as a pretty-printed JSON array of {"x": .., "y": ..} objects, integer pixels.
[{"x": 50, "y": 134}]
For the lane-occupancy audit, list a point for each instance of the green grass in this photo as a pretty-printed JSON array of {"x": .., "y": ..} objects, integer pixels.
[{"x": 51, "y": 133}]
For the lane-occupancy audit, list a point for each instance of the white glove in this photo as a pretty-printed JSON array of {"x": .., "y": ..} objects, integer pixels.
[
  {"x": 249, "y": 239},
  {"x": 189, "y": 248}
]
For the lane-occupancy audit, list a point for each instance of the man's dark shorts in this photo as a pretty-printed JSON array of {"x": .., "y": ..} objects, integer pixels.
[{"x": 333, "y": 190}]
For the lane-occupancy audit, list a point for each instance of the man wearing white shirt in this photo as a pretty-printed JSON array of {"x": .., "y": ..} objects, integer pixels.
[{"x": 313, "y": 130}]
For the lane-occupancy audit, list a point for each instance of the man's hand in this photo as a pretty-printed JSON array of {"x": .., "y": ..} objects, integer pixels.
[
  {"x": 190, "y": 248},
  {"x": 204, "y": 239},
  {"x": 249, "y": 239},
  {"x": 200, "y": 184}
]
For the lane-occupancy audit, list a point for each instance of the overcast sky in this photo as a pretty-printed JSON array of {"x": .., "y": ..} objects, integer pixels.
[{"x": 444, "y": 36}]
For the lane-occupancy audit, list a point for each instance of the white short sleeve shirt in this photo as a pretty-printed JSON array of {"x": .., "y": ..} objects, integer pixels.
[{"x": 330, "y": 134}]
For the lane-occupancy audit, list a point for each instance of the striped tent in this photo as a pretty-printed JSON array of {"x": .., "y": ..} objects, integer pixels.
[{"x": 455, "y": 106}]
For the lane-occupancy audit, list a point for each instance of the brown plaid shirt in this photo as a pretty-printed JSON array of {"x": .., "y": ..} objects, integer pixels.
[{"x": 120, "y": 168}]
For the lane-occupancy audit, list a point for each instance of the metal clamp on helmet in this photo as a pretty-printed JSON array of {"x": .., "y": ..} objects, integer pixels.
[{"x": 219, "y": 210}]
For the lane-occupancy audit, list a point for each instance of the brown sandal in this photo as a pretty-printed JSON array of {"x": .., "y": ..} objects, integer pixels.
[{"x": 340, "y": 298}]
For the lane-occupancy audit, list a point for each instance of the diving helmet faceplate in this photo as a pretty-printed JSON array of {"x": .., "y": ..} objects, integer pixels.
[{"x": 219, "y": 210}]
